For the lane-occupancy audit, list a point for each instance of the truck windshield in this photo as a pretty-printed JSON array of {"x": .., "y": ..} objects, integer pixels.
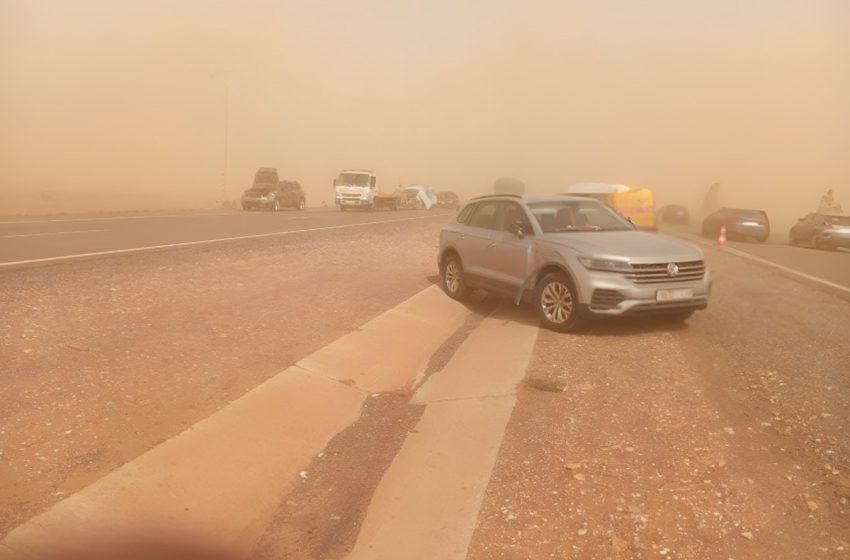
[
  {"x": 353, "y": 179},
  {"x": 564, "y": 216}
]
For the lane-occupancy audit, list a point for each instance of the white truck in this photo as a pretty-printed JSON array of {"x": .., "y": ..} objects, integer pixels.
[{"x": 359, "y": 189}]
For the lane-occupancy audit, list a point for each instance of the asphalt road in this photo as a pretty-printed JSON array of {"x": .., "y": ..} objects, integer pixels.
[
  {"x": 34, "y": 241},
  {"x": 722, "y": 437},
  {"x": 831, "y": 266}
]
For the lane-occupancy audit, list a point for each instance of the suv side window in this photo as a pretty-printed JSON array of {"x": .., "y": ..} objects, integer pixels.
[
  {"x": 464, "y": 215},
  {"x": 513, "y": 212},
  {"x": 486, "y": 215}
]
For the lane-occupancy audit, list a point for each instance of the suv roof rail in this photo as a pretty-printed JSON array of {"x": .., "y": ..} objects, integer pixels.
[{"x": 496, "y": 196}]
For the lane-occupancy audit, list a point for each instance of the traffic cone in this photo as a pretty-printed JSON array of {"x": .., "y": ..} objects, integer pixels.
[{"x": 721, "y": 240}]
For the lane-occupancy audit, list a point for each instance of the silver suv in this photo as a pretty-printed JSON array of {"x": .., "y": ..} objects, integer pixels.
[{"x": 572, "y": 257}]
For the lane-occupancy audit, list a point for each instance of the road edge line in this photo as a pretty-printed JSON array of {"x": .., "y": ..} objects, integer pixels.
[
  {"x": 832, "y": 286},
  {"x": 134, "y": 250}
]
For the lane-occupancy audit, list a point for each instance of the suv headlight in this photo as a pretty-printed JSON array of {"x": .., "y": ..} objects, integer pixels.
[{"x": 607, "y": 265}]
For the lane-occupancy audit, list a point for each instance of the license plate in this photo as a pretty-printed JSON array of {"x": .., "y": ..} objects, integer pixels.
[{"x": 674, "y": 295}]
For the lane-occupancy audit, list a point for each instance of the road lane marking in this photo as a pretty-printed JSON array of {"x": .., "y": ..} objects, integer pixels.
[
  {"x": 789, "y": 270},
  {"x": 222, "y": 479},
  {"x": 68, "y": 258},
  {"x": 428, "y": 501},
  {"x": 50, "y": 233}
]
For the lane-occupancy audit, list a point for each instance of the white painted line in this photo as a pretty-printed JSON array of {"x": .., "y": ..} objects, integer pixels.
[
  {"x": 428, "y": 501},
  {"x": 50, "y": 233},
  {"x": 68, "y": 258},
  {"x": 789, "y": 270}
]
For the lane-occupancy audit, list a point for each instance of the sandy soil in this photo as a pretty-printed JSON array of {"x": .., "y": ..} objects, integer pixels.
[
  {"x": 103, "y": 359},
  {"x": 724, "y": 438}
]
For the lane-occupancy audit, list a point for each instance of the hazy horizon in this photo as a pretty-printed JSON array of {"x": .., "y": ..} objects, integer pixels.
[{"x": 131, "y": 100}]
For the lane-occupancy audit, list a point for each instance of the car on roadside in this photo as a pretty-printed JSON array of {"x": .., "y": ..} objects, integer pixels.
[
  {"x": 572, "y": 258},
  {"x": 448, "y": 199},
  {"x": 674, "y": 214},
  {"x": 821, "y": 231},
  {"x": 740, "y": 223},
  {"x": 269, "y": 193}
]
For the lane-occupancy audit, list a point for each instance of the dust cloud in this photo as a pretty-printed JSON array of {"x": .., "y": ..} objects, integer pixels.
[{"x": 159, "y": 104}]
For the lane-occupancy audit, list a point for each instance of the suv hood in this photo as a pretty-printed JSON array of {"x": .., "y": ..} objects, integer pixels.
[{"x": 635, "y": 246}]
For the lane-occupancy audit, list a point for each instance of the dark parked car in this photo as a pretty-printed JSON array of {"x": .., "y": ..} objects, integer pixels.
[
  {"x": 821, "y": 231},
  {"x": 675, "y": 214},
  {"x": 740, "y": 223},
  {"x": 448, "y": 199},
  {"x": 271, "y": 194}
]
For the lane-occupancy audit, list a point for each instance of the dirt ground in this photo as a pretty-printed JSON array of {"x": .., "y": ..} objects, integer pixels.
[
  {"x": 101, "y": 360},
  {"x": 723, "y": 438}
]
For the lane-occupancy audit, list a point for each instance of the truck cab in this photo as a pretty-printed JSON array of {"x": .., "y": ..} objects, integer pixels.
[
  {"x": 359, "y": 189},
  {"x": 355, "y": 189}
]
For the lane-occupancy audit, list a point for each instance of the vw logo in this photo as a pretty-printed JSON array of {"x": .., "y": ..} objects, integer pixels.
[{"x": 672, "y": 270}]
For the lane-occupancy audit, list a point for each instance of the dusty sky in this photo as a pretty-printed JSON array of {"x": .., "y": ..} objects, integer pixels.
[{"x": 131, "y": 97}]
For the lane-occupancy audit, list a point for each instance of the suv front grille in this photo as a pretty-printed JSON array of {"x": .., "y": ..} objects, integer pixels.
[
  {"x": 605, "y": 299},
  {"x": 657, "y": 273}
]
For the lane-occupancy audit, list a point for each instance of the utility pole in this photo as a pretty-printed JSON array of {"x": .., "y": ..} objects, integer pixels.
[{"x": 226, "y": 143}]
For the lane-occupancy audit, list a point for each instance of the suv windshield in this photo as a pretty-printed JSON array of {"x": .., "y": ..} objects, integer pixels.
[
  {"x": 567, "y": 216},
  {"x": 265, "y": 177},
  {"x": 353, "y": 179}
]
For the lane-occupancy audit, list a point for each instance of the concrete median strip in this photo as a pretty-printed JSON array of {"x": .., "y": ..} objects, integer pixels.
[
  {"x": 426, "y": 506},
  {"x": 222, "y": 478}
]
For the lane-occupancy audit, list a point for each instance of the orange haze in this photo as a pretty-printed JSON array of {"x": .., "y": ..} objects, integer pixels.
[{"x": 119, "y": 105}]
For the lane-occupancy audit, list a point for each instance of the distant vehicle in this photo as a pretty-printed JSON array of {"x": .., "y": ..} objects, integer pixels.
[
  {"x": 740, "y": 223},
  {"x": 821, "y": 231},
  {"x": 447, "y": 199},
  {"x": 635, "y": 204},
  {"x": 269, "y": 193},
  {"x": 572, "y": 258},
  {"x": 675, "y": 214},
  {"x": 420, "y": 196},
  {"x": 359, "y": 189}
]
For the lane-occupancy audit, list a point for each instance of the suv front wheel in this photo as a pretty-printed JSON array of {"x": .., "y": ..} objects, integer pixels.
[
  {"x": 557, "y": 303},
  {"x": 453, "y": 281}
]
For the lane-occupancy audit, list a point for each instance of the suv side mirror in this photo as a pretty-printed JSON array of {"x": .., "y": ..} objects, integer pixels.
[{"x": 517, "y": 229}]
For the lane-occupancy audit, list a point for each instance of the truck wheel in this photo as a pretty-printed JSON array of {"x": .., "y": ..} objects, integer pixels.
[
  {"x": 557, "y": 303},
  {"x": 453, "y": 282}
]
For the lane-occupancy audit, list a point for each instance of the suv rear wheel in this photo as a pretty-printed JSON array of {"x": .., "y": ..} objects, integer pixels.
[
  {"x": 276, "y": 206},
  {"x": 453, "y": 281},
  {"x": 557, "y": 304},
  {"x": 301, "y": 204}
]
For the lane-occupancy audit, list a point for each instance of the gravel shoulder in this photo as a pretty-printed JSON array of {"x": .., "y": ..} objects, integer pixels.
[
  {"x": 104, "y": 359},
  {"x": 723, "y": 438}
]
